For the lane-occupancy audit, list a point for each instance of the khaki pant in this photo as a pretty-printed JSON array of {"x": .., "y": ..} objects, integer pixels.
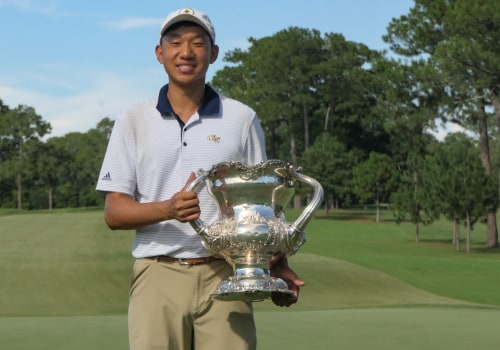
[{"x": 170, "y": 309}]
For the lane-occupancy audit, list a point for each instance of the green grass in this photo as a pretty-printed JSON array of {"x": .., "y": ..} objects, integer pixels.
[
  {"x": 379, "y": 329},
  {"x": 64, "y": 333},
  {"x": 63, "y": 264},
  {"x": 433, "y": 264},
  {"x": 347, "y": 329},
  {"x": 64, "y": 285}
]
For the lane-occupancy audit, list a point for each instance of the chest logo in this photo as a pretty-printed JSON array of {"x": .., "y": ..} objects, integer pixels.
[{"x": 213, "y": 138}]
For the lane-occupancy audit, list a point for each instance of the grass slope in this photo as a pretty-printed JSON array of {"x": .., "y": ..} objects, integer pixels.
[
  {"x": 337, "y": 284},
  {"x": 69, "y": 263},
  {"x": 433, "y": 264},
  {"x": 65, "y": 286},
  {"x": 62, "y": 264}
]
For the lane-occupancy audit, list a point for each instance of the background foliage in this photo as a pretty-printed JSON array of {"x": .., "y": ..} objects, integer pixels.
[{"x": 335, "y": 107}]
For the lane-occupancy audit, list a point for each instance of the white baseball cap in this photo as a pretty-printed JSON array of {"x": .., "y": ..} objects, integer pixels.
[{"x": 190, "y": 15}]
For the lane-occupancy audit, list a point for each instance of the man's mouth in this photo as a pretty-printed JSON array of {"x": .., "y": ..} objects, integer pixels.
[{"x": 185, "y": 68}]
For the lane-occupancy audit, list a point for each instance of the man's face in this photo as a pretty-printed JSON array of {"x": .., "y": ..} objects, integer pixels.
[{"x": 186, "y": 53}]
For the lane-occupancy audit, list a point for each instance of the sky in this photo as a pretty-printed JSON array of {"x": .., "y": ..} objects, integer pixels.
[{"x": 77, "y": 62}]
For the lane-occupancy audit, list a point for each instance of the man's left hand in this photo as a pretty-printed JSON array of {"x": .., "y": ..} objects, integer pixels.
[{"x": 280, "y": 269}]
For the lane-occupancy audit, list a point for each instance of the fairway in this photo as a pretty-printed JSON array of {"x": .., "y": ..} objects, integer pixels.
[
  {"x": 354, "y": 329},
  {"x": 367, "y": 286},
  {"x": 380, "y": 329}
]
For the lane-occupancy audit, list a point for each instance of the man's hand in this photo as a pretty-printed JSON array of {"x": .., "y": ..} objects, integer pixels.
[
  {"x": 185, "y": 205},
  {"x": 123, "y": 212},
  {"x": 280, "y": 269}
]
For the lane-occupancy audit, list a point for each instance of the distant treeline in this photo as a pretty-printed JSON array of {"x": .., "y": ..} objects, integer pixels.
[{"x": 358, "y": 120}]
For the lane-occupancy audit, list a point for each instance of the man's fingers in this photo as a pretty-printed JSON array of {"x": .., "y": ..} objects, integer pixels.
[{"x": 190, "y": 179}]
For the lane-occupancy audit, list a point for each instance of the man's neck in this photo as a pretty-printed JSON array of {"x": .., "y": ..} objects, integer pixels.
[{"x": 185, "y": 102}]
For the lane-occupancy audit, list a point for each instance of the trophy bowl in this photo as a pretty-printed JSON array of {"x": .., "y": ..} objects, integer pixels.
[{"x": 251, "y": 227}]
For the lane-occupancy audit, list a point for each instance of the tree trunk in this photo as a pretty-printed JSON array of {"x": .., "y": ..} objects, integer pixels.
[
  {"x": 467, "y": 246},
  {"x": 297, "y": 202},
  {"x": 327, "y": 117},
  {"x": 273, "y": 140},
  {"x": 327, "y": 201},
  {"x": 50, "y": 198},
  {"x": 456, "y": 234},
  {"x": 306, "y": 126},
  {"x": 293, "y": 150},
  {"x": 19, "y": 192},
  {"x": 492, "y": 239},
  {"x": 415, "y": 209},
  {"x": 19, "y": 179},
  {"x": 377, "y": 205},
  {"x": 492, "y": 235}
]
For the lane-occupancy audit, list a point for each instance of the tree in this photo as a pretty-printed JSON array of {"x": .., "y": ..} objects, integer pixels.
[
  {"x": 3, "y": 108},
  {"x": 47, "y": 168},
  {"x": 375, "y": 179},
  {"x": 348, "y": 90},
  {"x": 328, "y": 161},
  {"x": 326, "y": 86},
  {"x": 85, "y": 151},
  {"x": 275, "y": 76},
  {"x": 409, "y": 100},
  {"x": 17, "y": 126},
  {"x": 458, "y": 183},
  {"x": 408, "y": 203},
  {"x": 7, "y": 186},
  {"x": 460, "y": 38}
]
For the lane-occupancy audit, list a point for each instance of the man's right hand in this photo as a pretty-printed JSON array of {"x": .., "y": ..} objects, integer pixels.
[{"x": 185, "y": 205}]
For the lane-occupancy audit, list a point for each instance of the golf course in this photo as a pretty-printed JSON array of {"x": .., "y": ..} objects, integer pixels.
[{"x": 65, "y": 275}]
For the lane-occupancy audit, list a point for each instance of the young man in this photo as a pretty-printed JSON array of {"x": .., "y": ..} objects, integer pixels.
[{"x": 153, "y": 152}]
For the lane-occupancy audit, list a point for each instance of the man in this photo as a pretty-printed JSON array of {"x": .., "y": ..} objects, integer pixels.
[{"x": 152, "y": 154}]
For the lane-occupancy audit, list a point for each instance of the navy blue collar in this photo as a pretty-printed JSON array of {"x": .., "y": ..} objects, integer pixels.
[{"x": 210, "y": 105}]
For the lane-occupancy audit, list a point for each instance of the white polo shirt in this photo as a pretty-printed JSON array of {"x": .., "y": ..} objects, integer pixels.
[{"x": 151, "y": 154}]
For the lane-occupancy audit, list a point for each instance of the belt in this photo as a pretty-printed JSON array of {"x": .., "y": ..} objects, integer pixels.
[{"x": 184, "y": 261}]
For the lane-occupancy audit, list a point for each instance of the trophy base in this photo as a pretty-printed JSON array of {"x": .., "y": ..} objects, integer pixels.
[{"x": 250, "y": 289}]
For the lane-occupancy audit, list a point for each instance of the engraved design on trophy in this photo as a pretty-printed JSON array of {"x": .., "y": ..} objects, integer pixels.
[{"x": 251, "y": 227}]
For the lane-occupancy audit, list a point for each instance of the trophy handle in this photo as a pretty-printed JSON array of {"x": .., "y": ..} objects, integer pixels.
[
  {"x": 304, "y": 218},
  {"x": 198, "y": 225}
]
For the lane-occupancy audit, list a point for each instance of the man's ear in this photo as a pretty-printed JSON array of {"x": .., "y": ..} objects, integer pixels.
[
  {"x": 158, "y": 52},
  {"x": 215, "y": 53}
]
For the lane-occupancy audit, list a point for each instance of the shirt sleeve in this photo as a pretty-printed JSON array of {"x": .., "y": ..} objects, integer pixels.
[
  {"x": 118, "y": 168},
  {"x": 255, "y": 148}
]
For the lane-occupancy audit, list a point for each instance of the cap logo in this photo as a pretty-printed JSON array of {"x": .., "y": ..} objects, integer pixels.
[{"x": 187, "y": 11}]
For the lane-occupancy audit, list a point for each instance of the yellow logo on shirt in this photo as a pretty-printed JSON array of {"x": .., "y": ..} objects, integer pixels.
[{"x": 213, "y": 138}]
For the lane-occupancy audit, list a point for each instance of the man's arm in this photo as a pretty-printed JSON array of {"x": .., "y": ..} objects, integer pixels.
[{"x": 123, "y": 212}]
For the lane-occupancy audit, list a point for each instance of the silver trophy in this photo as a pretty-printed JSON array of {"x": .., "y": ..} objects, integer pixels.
[{"x": 251, "y": 227}]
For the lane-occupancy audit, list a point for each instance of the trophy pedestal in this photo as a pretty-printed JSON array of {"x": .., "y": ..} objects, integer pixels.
[
  {"x": 250, "y": 289},
  {"x": 251, "y": 281}
]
